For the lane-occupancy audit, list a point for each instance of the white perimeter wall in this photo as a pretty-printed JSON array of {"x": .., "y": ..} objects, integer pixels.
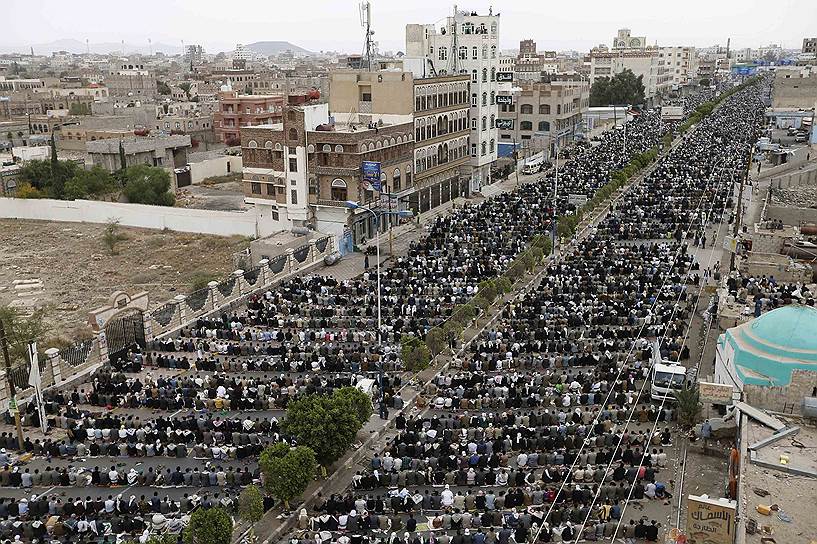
[
  {"x": 220, "y": 223},
  {"x": 214, "y": 167}
]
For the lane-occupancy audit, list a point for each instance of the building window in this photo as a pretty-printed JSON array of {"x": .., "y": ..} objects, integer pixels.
[
  {"x": 473, "y": 150},
  {"x": 293, "y": 134},
  {"x": 463, "y": 52},
  {"x": 484, "y": 99},
  {"x": 483, "y": 148},
  {"x": 493, "y": 74},
  {"x": 443, "y": 53},
  {"x": 395, "y": 180},
  {"x": 293, "y": 164},
  {"x": 474, "y": 123},
  {"x": 275, "y": 215},
  {"x": 474, "y": 99},
  {"x": 474, "y": 53},
  {"x": 544, "y": 109},
  {"x": 484, "y": 51},
  {"x": 544, "y": 126},
  {"x": 493, "y": 28},
  {"x": 474, "y": 76},
  {"x": 293, "y": 196},
  {"x": 256, "y": 188},
  {"x": 485, "y": 75},
  {"x": 525, "y": 109},
  {"x": 492, "y": 146},
  {"x": 525, "y": 125},
  {"x": 493, "y": 121},
  {"x": 493, "y": 47},
  {"x": 339, "y": 189},
  {"x": 484, "y": 122}
]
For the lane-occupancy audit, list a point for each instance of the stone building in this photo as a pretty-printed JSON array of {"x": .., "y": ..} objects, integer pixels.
[
  {"x": 165, "y": 152},
  {"x": 131, "y": 80},
  {"x": 301, "y": 171}
]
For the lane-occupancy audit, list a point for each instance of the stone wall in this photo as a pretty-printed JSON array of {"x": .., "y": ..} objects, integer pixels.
[{"x": 787, "y": 398}]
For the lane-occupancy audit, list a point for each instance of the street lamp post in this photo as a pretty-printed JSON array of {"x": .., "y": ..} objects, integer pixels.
[{"x": 376, "y": 215}]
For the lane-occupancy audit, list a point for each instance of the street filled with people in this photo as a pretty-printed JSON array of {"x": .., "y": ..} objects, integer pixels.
[{"x": 541, "y": 429}]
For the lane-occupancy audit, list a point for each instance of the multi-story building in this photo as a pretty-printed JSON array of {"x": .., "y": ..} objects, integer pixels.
[
  {"x": 302, "y": 170},
  {"x": 437, "y": 106},
  {"x": 646, "y": 63},
  {"x": 467, "y": 44},
  {"x": 531, "y": 65},
  {"x": 680, "y": 62},
  {"x": 193, "y": 55},
  {"x": 164, "y": 151},
  {"x": 236, "y": 111},
  {"x": 623, "y": 40},
  {"x": 539, "y": 117},
  {"x": 131, "y": 80},
  {"x": 242, "y": 53},
  {"x": 20, "y": 84},
  {"x": 810, "y": 45}
]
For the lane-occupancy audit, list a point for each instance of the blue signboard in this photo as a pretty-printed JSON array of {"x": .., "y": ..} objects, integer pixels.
[{"x": 371, "y": 174}]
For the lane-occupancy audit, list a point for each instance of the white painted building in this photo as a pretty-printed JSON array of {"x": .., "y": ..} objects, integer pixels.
[
  {"x": 680, "y": 62},
  {"x": 467, "y": 44}
]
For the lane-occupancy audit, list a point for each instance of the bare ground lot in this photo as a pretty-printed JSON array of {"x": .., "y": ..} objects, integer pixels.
[{"x": 79, "y": 273}]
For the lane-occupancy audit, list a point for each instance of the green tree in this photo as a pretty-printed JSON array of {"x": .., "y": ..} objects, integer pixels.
[
  {"x": 623, "y": 88},
  {"x": 322, "y": 423},
  {"x": 20, "y": 329},
  {"x": 185, "y": 86},
  {"x": 209, "y": 526},
  {"x": 287, "y": 471},
  {"x": 49, "y": 176},
  {"x": 689, "y": 406},
  {"x": 162, "y": 87},
  {"x": 148, "y": 185},
  {"x": 359, "y": 402},
  {"x": 89, "y": 183},
  {"x": 415, "y": 353},
  {"x": 37, "y": 173},
  {"x": 251, "y": 508},
  {"x": 436, "y": 340},
  {"x": 123, "y": 162}
]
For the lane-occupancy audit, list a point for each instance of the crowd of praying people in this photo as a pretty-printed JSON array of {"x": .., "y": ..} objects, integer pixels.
[{"x": 524, "y": 437}]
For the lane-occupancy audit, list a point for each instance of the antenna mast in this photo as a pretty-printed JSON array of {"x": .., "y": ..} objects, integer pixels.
[{"x": 366, "y": 21}]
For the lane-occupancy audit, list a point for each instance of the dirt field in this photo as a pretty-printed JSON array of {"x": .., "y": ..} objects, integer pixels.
[{"x": 79, "y": 273}]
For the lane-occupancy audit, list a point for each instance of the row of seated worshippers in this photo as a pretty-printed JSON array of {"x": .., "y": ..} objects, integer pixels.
[
  {"x": 50, "y": 518},
  {"x": 213, "y": 391}
]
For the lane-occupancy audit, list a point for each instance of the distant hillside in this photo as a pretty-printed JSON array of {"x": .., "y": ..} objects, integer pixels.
[
  {"x": 79, "y": 47},
  {"x": 275, "y": 48}
]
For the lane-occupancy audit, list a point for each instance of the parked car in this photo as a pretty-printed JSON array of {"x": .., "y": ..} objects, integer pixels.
[
  {"x": 791, "y": 132},
  {"x": 801, "y": 137}
]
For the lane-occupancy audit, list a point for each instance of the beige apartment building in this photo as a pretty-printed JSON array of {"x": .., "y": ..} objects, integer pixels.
[
  {"x": 538, "y": 117},
  {"x": 438, "y": 107}
]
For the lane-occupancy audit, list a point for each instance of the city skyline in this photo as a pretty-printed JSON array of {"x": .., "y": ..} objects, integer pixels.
[{"x": 198, "y": 23}]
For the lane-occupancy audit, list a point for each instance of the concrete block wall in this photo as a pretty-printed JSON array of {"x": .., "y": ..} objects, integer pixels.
[{"x": 779, "y": 399}]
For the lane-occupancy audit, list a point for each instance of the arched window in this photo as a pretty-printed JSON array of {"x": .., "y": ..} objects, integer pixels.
[
  {"x": 484, "y": 122},
  {"x": 493, "y": 98},
  {"x": 493, "y": 74},
  {"x": 327, "y": 148},
  {"x": 339, "y": 190},
  {"x": 558, "y": 109},
  {"x": 484, "y": 75},
  {"x": 493, "y": 47},
  {"x": 493, "y": 28},
  {"x": 492, "y": 146},
  {"x": 474, "y": 76},
  {"x": 474, "y": 53},
  {"x": 293, "y": 134},
  {"x": 252, "y": 144},
  {"x": 338, "y": 148},
  {"x": 484, "y": 99},
  {"x": 395, "y": 180},
  {"x": 482, "y": 150},
  {"x": 279, "y": 147},
  {"x": 544, "y": 108},
  {"x": 493, "y": 121},
  {"x": 484, "y": 51},
  {"x": 544, "y": 126},
  {"x": 525, "y": 125},
  {"x": 268, "y": 144},
  {"x": 463, "y": 52},
  {"x": 526, "y": 108}
]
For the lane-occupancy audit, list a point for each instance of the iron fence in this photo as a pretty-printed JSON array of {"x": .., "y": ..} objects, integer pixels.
[
  {"x": 197, "y": 299},
  {"x": 78, "y": 353},
  {"x": 164, "y": 314},
  {"x": 301, "y": 253}
]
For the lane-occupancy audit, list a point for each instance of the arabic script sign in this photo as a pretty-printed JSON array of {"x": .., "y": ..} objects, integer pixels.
[{"x": 710, "y": 521}]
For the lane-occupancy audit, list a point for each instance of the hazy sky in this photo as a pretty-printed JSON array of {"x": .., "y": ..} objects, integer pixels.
[{"x": 334, "y": 24}]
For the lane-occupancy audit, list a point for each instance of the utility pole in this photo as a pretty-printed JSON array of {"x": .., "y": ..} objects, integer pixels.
[
  {"x": 391, "y": 234},
  {"x": 12, "y": 389},
  {"x": 739, "y": 208}
]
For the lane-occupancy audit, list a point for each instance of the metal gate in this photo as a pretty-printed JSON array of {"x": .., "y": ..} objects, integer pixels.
[{"x": 123, "y": 332}]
